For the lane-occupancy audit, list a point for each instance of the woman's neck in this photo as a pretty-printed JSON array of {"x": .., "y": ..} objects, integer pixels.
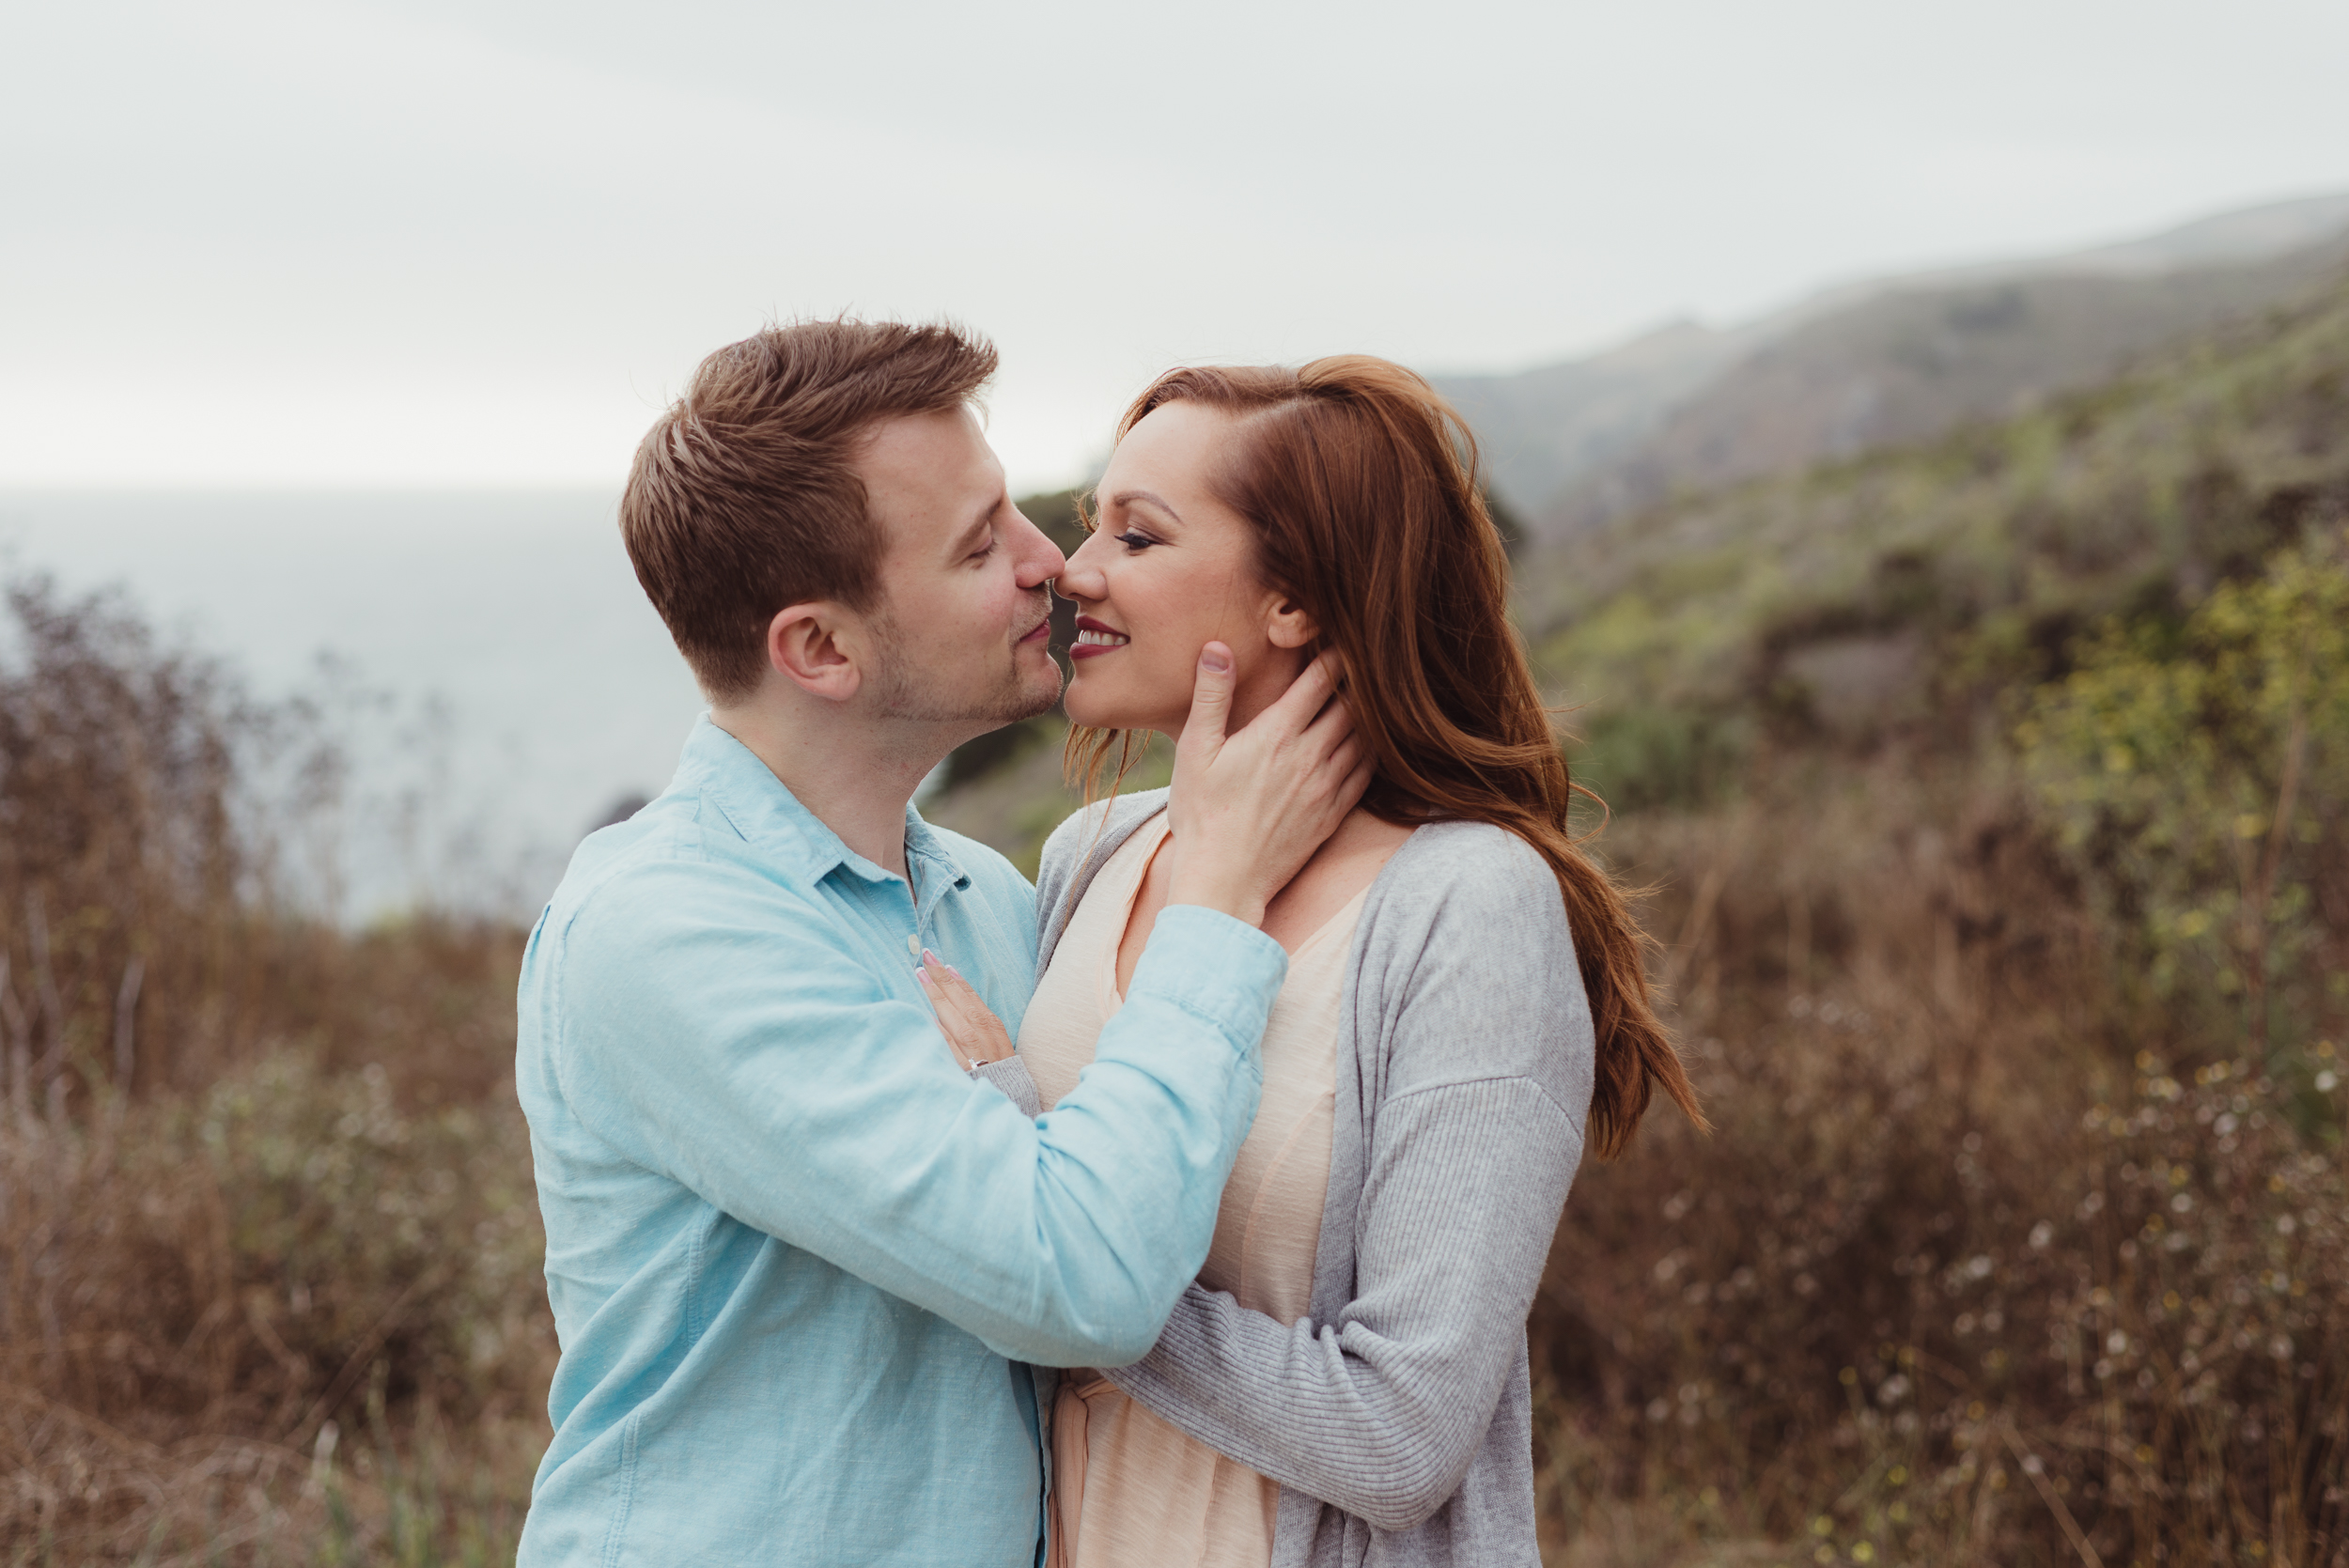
[{"x": 1344, "y": 866}]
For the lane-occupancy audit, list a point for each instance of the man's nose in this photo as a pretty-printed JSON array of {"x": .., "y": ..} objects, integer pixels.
[{"x": 1039, "y": 558}]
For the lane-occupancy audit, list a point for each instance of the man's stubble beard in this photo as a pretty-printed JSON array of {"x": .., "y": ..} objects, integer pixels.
[{"x": 919, "y": 696}]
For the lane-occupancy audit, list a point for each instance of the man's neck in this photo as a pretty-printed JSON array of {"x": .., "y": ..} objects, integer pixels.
[{"x": 855, "y": 780}]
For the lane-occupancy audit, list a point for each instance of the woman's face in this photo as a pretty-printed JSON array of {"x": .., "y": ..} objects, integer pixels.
[{"x": 1167, "y": 569}]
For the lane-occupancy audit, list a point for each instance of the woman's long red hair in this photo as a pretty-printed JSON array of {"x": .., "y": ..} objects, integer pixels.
[{"x": 1360, "y": 483}]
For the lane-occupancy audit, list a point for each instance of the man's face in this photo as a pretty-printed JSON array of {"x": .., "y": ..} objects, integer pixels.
[{"x": 961, "y": 633}]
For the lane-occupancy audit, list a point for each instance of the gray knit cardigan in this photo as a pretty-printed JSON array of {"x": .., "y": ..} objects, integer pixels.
[{"x": 1397, "y": 1417}]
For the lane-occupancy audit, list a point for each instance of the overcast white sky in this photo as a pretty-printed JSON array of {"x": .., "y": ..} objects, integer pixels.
[{"x": 301, "y": 242}]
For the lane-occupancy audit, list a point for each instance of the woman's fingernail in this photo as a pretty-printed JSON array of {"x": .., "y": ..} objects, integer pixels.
[
  {"x": 1215, "y": 658},
  {"x": 930, "y": 957},
  {"x": 920, "y": 975},
  {"x": 950, "y": 970}
]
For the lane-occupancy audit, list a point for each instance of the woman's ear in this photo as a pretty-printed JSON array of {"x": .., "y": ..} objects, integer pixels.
[{"x": 1290, "y": 624}]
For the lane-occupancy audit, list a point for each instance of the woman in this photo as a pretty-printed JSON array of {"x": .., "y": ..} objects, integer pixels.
[{"x": 1346, "y": 1382}]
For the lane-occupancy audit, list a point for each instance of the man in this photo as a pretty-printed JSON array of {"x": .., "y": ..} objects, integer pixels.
[{"x": 795, "y": 1253}]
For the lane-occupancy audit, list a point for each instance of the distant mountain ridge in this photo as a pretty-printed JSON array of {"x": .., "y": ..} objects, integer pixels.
[{"x": 1861, "y": 365}]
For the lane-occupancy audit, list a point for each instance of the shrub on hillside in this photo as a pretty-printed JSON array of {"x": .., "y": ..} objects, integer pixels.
[
  {"x": 2199, "y": 775},
  {"x": 141, "y": 940},
  {"x": 263, "y": 1186},
  {"x": 240, "y": 1273}
]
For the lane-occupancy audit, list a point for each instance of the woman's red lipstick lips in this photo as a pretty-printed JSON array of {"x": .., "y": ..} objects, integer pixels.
[{"x": 1082, "y": 649}]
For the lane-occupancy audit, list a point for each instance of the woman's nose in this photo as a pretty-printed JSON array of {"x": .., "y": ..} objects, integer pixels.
[{"x": 1081, "y": 577}]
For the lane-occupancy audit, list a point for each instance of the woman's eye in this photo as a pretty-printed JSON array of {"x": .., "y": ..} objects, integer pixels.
[{"x": 1135, "y": 542}]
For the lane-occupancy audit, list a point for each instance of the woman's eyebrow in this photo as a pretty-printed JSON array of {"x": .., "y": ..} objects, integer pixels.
[{"x": 1127, "y": 498}]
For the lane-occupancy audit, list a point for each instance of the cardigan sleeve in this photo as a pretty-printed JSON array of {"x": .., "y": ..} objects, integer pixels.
[
  {"x": 1380, "y": 1410},
  {"x": 1010, "y": 1074}
]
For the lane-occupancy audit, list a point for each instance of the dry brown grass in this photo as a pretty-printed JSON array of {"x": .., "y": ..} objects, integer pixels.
[
  {"x": 1974, "y": 1270},
  {"x": 1976, "y": 1249},
  {"x": 207, "y": 1297},
  {"x": 268, "y": 1257}
]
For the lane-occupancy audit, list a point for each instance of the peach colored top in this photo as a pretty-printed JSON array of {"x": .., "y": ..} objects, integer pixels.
[{"x": 1130, "y": 1491}]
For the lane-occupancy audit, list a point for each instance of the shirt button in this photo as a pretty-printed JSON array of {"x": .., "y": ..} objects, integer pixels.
[{"x": 914, "y": 943}]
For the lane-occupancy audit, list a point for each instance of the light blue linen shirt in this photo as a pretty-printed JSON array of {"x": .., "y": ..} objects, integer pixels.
[{"x": 794, "y": 1253}]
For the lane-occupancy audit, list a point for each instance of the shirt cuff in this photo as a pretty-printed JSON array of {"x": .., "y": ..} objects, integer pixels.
[{"x": 1213, "y": 966}]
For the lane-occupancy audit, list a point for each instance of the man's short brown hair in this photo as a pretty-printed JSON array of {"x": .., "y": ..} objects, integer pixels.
[{"x": 745, "y": 496}]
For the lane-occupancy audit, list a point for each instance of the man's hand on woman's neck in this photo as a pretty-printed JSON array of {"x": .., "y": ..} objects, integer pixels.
[{"x": 1277, "y": 670}]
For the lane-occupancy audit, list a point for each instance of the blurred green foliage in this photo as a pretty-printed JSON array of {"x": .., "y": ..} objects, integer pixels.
[
  {"x": 1642, "y": 759},
  {"x": 2197, "y": 773},
  {"x": 441, "y": 1280}
]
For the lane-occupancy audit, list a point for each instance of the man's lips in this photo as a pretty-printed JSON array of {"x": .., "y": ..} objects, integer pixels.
[
  {"x": 1095, "y": 639},
  {"x": 1043, "y": 629}
]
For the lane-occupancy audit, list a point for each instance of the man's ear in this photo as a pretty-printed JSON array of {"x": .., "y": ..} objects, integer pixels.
[
  {"x": 819, "y": 647},
  {"x": 1290, "y": 624}
]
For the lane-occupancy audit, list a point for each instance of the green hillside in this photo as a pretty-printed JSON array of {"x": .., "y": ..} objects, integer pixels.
[
  {"x": 1997, "y": 795},
  {"x": 1895, "y": 593}
]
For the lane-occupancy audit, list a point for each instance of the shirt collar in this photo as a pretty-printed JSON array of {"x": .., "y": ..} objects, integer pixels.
[{"x": 765, "y": 811}]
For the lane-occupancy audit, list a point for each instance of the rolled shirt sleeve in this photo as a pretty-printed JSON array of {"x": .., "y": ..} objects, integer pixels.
[{"x": 720, "y": 1028}]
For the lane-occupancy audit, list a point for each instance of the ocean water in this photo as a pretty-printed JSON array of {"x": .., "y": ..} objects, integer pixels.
[{"x": 497, "y": 676}]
